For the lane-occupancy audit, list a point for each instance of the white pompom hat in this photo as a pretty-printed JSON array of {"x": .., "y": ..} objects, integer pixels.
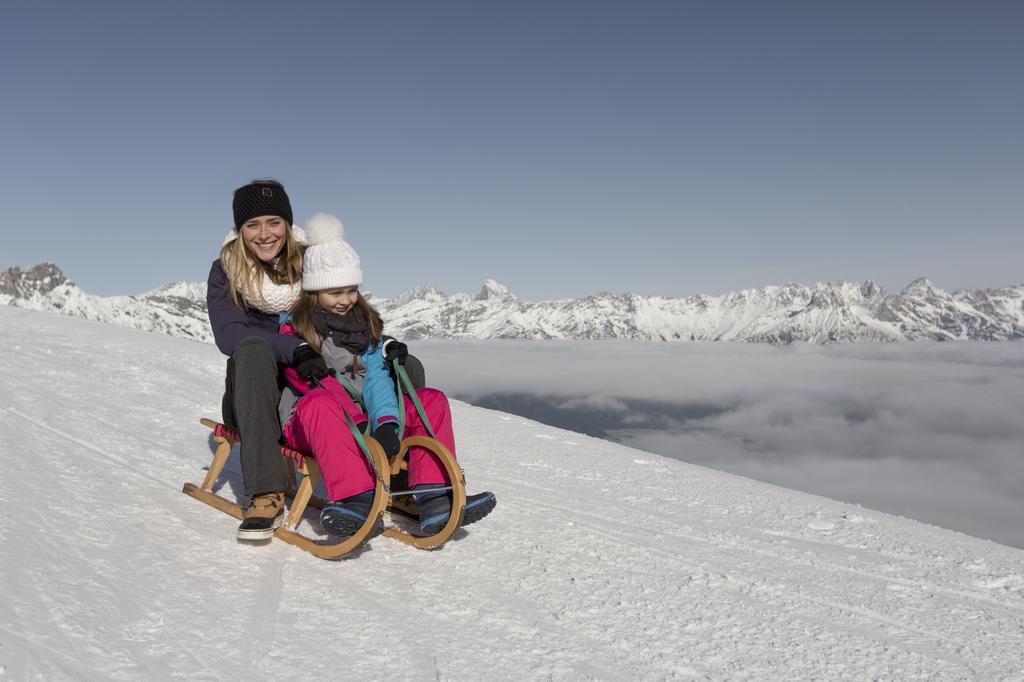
[{"x": 330, "y": 262}]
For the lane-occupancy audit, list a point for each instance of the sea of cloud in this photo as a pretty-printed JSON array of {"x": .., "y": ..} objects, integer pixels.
[{"x": 932, "y": 431}]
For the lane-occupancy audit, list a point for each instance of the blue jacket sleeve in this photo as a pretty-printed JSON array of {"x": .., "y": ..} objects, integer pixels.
[
  {"x": 231, "y": 324},
  {"x": 379, "y": 389}
]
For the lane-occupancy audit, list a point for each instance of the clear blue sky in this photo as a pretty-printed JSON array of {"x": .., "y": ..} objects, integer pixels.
[{"x": 561, "y": 148}]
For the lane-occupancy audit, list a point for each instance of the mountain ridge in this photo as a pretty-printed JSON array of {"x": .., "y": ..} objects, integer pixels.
[{"x": 778, "y": 314}]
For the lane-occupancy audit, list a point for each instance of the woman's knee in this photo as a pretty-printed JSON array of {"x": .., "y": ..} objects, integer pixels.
[
  {"x": 417, "y": 375},
  {"x": 253, "y": 349}
]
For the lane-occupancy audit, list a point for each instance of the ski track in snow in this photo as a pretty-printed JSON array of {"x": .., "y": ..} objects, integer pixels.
[{"x": 600, "y": 562}]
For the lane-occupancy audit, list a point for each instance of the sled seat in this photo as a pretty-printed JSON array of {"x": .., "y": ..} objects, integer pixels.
[
  {"x": 222, "y": 431},
  {"x": 302, "y": 495}
]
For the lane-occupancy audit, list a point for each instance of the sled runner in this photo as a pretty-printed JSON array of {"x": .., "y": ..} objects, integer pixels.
[
  {"x": 384, "y": 499},
  {"x": 400, "y": 503}
]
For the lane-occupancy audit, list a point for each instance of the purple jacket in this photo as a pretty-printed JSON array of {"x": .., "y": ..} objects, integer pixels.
[{"x": 232, "y": 324}]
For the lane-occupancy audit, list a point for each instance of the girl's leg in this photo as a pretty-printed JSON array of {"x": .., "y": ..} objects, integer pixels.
[
  {"x": 435, "y": 506},
  {"x": 423, "y": 466},
  {"x": 319, "y": 426}
]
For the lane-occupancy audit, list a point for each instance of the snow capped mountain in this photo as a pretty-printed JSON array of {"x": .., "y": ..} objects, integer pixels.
[
  {"x": 923, "y": 311},
  {"x": 177, "y": 309},
  {"x": 824, "y": 312}
]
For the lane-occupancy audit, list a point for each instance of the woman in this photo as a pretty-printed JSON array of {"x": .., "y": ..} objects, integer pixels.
[{"x": 257, "y": 278}]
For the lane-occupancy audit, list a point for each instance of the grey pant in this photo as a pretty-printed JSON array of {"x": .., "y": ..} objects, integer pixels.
[{"x": 251, "y": 393}]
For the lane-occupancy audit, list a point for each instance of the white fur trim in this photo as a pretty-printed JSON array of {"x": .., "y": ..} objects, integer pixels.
[{"x": 323, "y": 228}]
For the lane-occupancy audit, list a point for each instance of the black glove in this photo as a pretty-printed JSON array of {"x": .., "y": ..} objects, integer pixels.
[
  {"x": 387, "y": 436},
  {"x": 309, "y": 364},
  {"x": 394, "y": 350}
]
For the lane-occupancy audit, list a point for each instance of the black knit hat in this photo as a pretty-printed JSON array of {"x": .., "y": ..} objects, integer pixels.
[{"x": 261, "y": 198}]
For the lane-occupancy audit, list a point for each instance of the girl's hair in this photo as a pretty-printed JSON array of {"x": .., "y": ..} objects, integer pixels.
[
  {"x": 302, "y": 318},
  {"x": 244, "y": 270}
]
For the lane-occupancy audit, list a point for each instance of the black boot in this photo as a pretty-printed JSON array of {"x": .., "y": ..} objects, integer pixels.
[{"x": 436, "y": 508}]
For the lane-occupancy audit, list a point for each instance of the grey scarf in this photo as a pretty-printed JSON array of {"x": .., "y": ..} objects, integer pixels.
[{"x": 349, "y": 331}]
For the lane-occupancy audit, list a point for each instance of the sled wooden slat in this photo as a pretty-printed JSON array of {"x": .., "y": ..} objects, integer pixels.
[
  {"x": 458, "y": 480},
  {"x": 302, "y": 496},
  {"x": 214, "y": 500},
  {"x": 327, "y": 549},
  {"x": 220, "y": 457},
  {"x": 310, "y": 475},
  {"x": 221, "y": 431}
]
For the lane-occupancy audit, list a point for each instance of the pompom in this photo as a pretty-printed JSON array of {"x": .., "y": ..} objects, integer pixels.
[{"x": 323, "y": 228}]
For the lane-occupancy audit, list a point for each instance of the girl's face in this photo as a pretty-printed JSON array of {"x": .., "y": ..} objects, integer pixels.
[
  {"x": 264, "y": 236},
  {"x": 339, "y": 300}
]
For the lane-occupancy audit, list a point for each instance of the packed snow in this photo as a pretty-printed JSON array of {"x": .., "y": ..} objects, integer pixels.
[{"x": 600, "y": 562}]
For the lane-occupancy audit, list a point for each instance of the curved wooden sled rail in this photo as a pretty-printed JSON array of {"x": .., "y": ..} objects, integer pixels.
[
  {"x": 302, "y": 495},
  {"x": 458, "y": 493},
  {"x": 335, "y": 550}
]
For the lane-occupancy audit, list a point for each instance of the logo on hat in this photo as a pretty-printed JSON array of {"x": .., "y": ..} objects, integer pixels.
[{"x": 267, "y": 192}]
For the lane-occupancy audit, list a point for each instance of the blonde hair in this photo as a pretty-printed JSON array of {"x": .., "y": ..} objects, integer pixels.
[
  {"x": 245, "y": 270},
  {"x": 302, "y": 318}
]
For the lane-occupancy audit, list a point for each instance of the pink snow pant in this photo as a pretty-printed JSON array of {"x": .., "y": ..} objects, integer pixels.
[{"x": 319, "y": 427}]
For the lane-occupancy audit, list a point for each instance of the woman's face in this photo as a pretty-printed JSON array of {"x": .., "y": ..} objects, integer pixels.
[
  {"x": 264, "y": 236},
  {"x": 339, "y": 300}
]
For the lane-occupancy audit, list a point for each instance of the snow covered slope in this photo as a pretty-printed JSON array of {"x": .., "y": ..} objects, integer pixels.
[
  {"x": 824, "y": 312},
  {"x": 600, "y": 562}
]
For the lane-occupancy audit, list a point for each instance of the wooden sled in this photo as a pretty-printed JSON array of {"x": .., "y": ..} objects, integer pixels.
[{"x": 384, "y": 499}]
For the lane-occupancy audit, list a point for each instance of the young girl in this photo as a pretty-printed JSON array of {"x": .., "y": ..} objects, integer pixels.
[{"x": 338, "y": 323}]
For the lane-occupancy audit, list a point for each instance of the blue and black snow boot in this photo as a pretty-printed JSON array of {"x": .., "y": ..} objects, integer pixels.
[
  {"x": 436, "y": 506},
  {"x": 344, "y": 517}
]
